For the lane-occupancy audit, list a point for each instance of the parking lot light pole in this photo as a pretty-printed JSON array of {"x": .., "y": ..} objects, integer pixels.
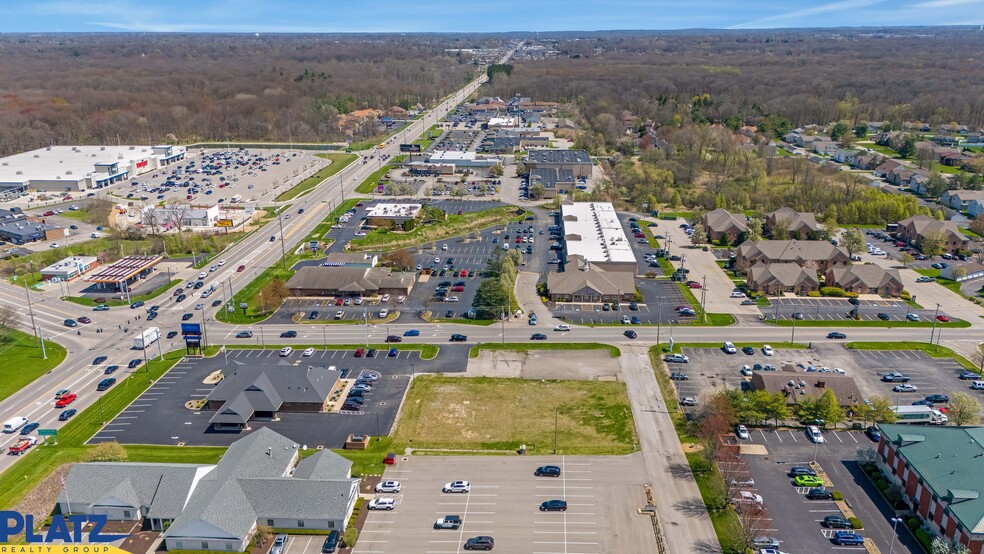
[
  {"x": 792, "y": 335},
  {"x": 933, "y": 333},
  {"x": 895, "y": 526},
  {"x": 816, "y": 445},
  {"x": 283, "y": 248}
]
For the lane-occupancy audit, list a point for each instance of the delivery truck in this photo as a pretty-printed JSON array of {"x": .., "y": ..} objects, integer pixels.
[
  {"x": 924, "y": 415},
  {"x": 22, "y": 445},
  {"x": 14, "y": 424},
  {"x": 146, "y": 338}
]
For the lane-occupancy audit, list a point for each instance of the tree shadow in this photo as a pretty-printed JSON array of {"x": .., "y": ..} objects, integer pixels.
[
  {"x": 692, "y": 507},
  {"x": 706, "y": 547},
  {"x": 681, "y": 471}
]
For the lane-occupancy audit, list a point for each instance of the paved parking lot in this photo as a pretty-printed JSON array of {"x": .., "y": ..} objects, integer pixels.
[
  {"x": 836, "y": 309},
  {"x": 929, "y": 375},
  {"x": 603, "y": 495},
  {"x": 159, "y": 416},
  {"x": 662, "y": 297},
  {"x": 795, "y": 521},
  {"x": 304, "y": 544}
]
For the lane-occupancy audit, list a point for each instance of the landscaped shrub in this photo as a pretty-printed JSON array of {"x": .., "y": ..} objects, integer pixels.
[
  {"x": 349, "y": 537},
  {"x": 855, "y": 522},
  {"x": 813, "y": 294},
  {"x": 912, "y": 523},
  {"x": 837, "y": 495},
  {"x": 924, "y": 539},
  {"x": 832, "y": 291}
]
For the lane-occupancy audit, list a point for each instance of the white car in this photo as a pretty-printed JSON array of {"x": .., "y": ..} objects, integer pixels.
[
  {"x": 95, "y": 235},
  {"x": 737, "y": 294},
  {"x": 401, "y": 299},
  {"x": 285, "y": 351},
  {"x": 437, "y": 260},
  {"x": 912, "y": 317},
  {"x": 360, "y": 234},
  {"x": 382, "y": 503},
  {"x": 222, "y": 263},
  {"x": 213, "y": 268},
  {"x": 729, "y": 348},
  {"x": 677, "y": 358},
  {"x": 359, "y": 301},
  {"x": 747, "y": 497},
  {"x": 339, "y": 314},
  {"x": 53, "y": 245},
  {"x": 562, "y": 327},
  {"x": 385, "y": 298},
  {"x": 813, "y": 433},
  {"x": 767, "y": 350},
  {"x": 457, "y": 486},
  {"x": 388, "y": 486},
  {"x": 742, "y": 432},
  {"x": 203, "y": 275},
  {"x": 308, "y": 352},
  {"x": 451, "y": 299},
  {"x": 383, "y": 313},
  {"x": 905, "y": 387},
  {"x": 977, "y": 385},
  {"x": 444, "y": 247}
]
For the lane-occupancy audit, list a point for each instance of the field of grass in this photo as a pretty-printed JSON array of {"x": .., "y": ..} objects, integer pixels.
[
  {"x": 725, "y": 520},
  {"x": 931, "y": 350},
  {"x": 429, "y": 136},
  {"x": 369, "y": 185},
  {"x": 613, "y": 351},
  {"x": 453, "y": 226},
  {"x": 22, "y": 361},
  {"x": 891, "y": 152},
  {"x": 85, "y": 301},
  {"x": 442, "y": 412},
  {"x": 338, "y": 163}
]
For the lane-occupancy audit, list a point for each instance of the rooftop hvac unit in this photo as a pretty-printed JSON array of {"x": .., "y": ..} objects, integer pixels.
[
  {"x": 102, "y": 148},
  {"x": 5, "y": 163},
  {"x": 69, "y": 172},
  {"x": 37, "y": 155},
  {"x": 20, "y": 172},
  {"x": 48, "y": 149},
  {"x": 133, "y": 148}
]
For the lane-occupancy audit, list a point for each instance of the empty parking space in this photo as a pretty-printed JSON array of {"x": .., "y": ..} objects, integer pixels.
[
  {"x": 304, "y": 544},
  {"x": 160, "y": 415},
  {"x": 838, "y": 309},
  {"x": 504, "y": 503}
]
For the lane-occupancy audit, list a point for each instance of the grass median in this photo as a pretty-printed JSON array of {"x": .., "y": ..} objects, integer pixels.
[
  {"x": 613, "y": 351},
  {"x": 338, "y": 163},
  {"x": 369, "y": 185},
  {"x": 22, "y": 361}
]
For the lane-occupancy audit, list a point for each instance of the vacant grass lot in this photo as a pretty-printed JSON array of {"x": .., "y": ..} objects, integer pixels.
[
  {"x": 486, "y": 413},
  {"x": 613, "y": 351},
  {"x": 22, "y": 362},
  {"x": 453, "y": 226},
  {"x": 338, "y": 163}
]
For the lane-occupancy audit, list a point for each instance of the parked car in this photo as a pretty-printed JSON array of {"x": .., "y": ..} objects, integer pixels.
[
  {"x": 847, "y": 538},
  {"x": 836, "y": 522},
  {"x": 457, "y": 486},
  {"x": 819, "y": 494},
  {"x": 553, "y": 506},
  {"x": 767, "y": 350},
  {"x": 748, "y": 350},
  {"x": 808, "y": 481},
  {"x": 480, "y": 543},
  {"x": 278, "y": 544},
  {"x": 873, "y": 433},
  {"x": 677, "y": 358},
  {"x": 547, "y": 471},
  {"x": 331, "y": 542},
  {"x": 742, "y": 432},
  {"x": 905, "y": 387},
  {"x": 688, "y": 401},
  {"x": 382, "y": 503},
  {"x": 677, "y": 376},
  {"x": 388, "y": 486},
  {"x": 448, "y": 522}
]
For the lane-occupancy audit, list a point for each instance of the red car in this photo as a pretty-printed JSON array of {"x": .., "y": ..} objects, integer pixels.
[
  {"x": 694, "y": 285},
  {"x": 339, "y": 301},
  {"x": 464, "y": 273},
  {"x": 49, "y": 213},
  {"x": 943, "y": 318},
  {"x": 65, "y": 400},
  {"x": 360, "y": 352},
  {"x": 84, "y": 319},
  {"x": 240, "y": 268}
]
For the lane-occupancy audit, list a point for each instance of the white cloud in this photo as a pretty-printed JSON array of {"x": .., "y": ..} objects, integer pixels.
[
  {"x": 801, "y": 18},
  {"x": 948, "y": 3}
]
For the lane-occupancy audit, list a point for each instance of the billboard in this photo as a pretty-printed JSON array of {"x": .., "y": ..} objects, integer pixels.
[
  {"x": 412, "y": 148},
  {"x": 223, "y": 223},
  {"x": 191, "y": 328}
]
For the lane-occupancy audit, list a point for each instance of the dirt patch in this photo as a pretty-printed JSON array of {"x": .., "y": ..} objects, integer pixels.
[
  {"x": 587, "y": 365},
  {"x": 40, "y": 502},
  {"x": 754, "y": 449}
]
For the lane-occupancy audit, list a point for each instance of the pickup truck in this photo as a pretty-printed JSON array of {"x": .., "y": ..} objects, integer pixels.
[
  {"x": 22, "y": 445},
  {"x": 448, "y": 522},
  {"x": 895, "y": 377}
]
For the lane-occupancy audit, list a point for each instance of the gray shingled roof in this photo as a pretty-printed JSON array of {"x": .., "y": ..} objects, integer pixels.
[
  {"x": 162, "y": 487},
  {"x": 248, "y": 389},
  {"x": 324, "y": 465},
  {"x": 299, "y": 498}
]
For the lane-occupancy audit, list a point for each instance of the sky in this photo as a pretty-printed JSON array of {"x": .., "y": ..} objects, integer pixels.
[{"x": 357, "y": 16}]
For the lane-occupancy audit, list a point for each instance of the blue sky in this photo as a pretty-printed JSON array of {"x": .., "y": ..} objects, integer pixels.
[{"x": 327, "y": 16}]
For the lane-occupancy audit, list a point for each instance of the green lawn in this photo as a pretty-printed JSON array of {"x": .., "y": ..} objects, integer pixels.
[
  {"x": 931, "y": 350},
  {"x": 369, "y": 185},
  {"x": 22, "y": 361},
  {"x": 429, "y": 136},
  {"x": 959, "y": 324},
  {"x": 78, "y": 215},
  {"x": 890, "y": 152},
  {"x": 543, "y": 345},
  {"x": 85, "y": 301},
  {"x": 338, "y": 163},
  {"x": 725, "y": 520},
  {"x": 453, "y": 226},
  {"x": 444, "y": 412}
]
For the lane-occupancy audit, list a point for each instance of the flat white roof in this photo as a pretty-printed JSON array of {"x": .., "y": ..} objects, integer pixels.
[
  {"x": 450, "y": 156},
  {"x": 68, "y": 163},
  {"x": 396, "y": 211},
  {"x": 592, "y": 230},
  {"x": 70, "y": 262}
]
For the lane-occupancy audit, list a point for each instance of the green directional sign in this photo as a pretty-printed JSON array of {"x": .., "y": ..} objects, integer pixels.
[{"x": 47, "y": 432}]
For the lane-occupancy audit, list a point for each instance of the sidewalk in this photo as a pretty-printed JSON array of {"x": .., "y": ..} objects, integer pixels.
[{"x": 676, "y": 496}]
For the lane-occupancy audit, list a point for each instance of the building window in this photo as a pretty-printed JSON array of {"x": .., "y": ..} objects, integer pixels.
[
  {"x": 300, "y": 524},
  {"x": 270, "y": 523},
  {"x": 126, "y": 514},
  {"x": 204, "y": 545},
  {"x": 331, "y": 524}
]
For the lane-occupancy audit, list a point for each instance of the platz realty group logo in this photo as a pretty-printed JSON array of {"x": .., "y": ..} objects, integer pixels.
[{"x": 65, "y": 534}]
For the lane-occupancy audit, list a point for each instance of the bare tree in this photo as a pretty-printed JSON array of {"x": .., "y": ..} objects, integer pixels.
[{"x": 9, "y": 320}]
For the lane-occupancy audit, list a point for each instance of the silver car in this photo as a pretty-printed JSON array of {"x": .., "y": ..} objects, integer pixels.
[{"x": 278, "y": 544}]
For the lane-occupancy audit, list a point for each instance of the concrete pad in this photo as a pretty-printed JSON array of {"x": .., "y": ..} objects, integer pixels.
[{"x": 582, "y": 365}]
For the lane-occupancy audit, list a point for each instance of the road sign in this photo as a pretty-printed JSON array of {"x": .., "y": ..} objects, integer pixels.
[
  {"x": 47, "y": 432},
  {"x": 223, "y": 223},
  {"x": 412, "y": 148}
]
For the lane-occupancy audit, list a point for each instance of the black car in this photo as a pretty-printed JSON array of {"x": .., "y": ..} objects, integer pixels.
[
  {"x": 748, "y": 350},
  {"x": 371, "y": 353},
  {"x": 352, "y": 406},
  {"x": 394, "y": 338},
  {"x": 216, "y": 303},
  {"x": 110, "y": 369},
  {"x": 313, "y": 315},
  {"x": 288, "y": 334},
  {"x": 836, "y": 335},
  {"x": 547, "y": 471},
  {"x": 458, "y": 337},
  {"x": 29, "y": 428},
  {"x": 480, "y": 543},
  {"x": 938, "y": 398},
  {"x": 99, "y": 360},
  {"x": 630, "y": 334},
  {"x": 151, "y": 316},
  {"x": 136, "y": 304},
  {"x": 883, "y": 316},
  {"x": 796, "y": 471},
  {"x": 331, "y": 543},
  {"x": 186, "y": 317},
  {"x": 554, "y": 506},
  {"x": 873, "y": 433},
  {"x": 106, "y": 383},
  {"x": 538, "y": 336},
  {"x": 134, "y": 363},
  {"x": 819, "y": 494},
  {"x": 199, "y": 284},
  {"x": 181, "y": 298},
  {"x": 837, "y": 522},
  {"x": 67, "y": 414}
]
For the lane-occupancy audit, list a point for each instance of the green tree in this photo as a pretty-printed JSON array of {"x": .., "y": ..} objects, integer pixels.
[
  {"x": 861, "y": 129},
  {"x": 774, "y": 407},
  {"x": 675, "y": 200},
  {"x": 497, "y": 170},
  {"x": 490, "y": 299},
  {"x": 106, "y": 452},
  {"x": 536, "y": 191},
  {"x": 852, "y": 240},
  {"x": 881, "y": 409},
  {"x": 775, "y": 126},
  {"x": 700, "y": 235},
  {"x": 838, "y": 130},
  {"x": 754, "y": 233},
  {"x": 830, "y": 409},
  {"x": 907, "y": 146},
  {"x": 933, "y": 243},
  {"x": 977, "y": 225},
  {"x": 964, "y": 409},
  {"x": 936, "y": 185},
  {"x": 906, "y": 258}
]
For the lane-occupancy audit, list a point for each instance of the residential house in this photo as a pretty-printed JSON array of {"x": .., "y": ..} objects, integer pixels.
[
  {"x": 583, "y": 281},
  {"x": 818, "y": 255},
  {"x": 824, "y": 146},
  {"x": 961, "y": 199},
  {"x": 918, "y": 182},
  {"x": 802, "y": 225},
  {"x": 899, "y": 176},
  {"x": 259, "y": 481},
  {"x": 975, "y": 208},
  {"x": 915, "y": 229},
  {"x": 886, "y": 166},
  {"x": 775, "y": 279},
  {"x": 845, "y": 156},
  {"x": 962, "y": 271},
  {"x": 864, "y": 161},
  {"x": 722, "y": 224},
  {"x": 938, "y": 469},
  {"x": 865, "y": 279}
]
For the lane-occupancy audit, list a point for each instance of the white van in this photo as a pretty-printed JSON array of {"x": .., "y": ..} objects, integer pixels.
[
  {"x": 14, "y": 424},
  {"x": 814, "y": 434},
  {"x": 285, "y": 351}
]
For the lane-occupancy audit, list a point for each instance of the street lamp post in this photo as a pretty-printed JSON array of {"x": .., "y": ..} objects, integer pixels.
[
  {"x": 933, "y": 333},
  {"x": 30, "y": 310},
  {"x": 895, "y": 526}
]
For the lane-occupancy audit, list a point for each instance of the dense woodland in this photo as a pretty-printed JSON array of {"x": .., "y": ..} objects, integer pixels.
[
  {"x": 136, "y": 88},
  {"x": 929, "y": 74}
]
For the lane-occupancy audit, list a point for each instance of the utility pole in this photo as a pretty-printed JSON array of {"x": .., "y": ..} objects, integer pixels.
[
  {"x": 204, "y": 331},
  {"x": 283, "y": 248},
  {"x": 703, "y": 297},
  {"x": 30, "y": 310},
  {"x": 44, "y": 353},
  {"x": 659, "y": 317},
  {"x": 933, "y": 333}
]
